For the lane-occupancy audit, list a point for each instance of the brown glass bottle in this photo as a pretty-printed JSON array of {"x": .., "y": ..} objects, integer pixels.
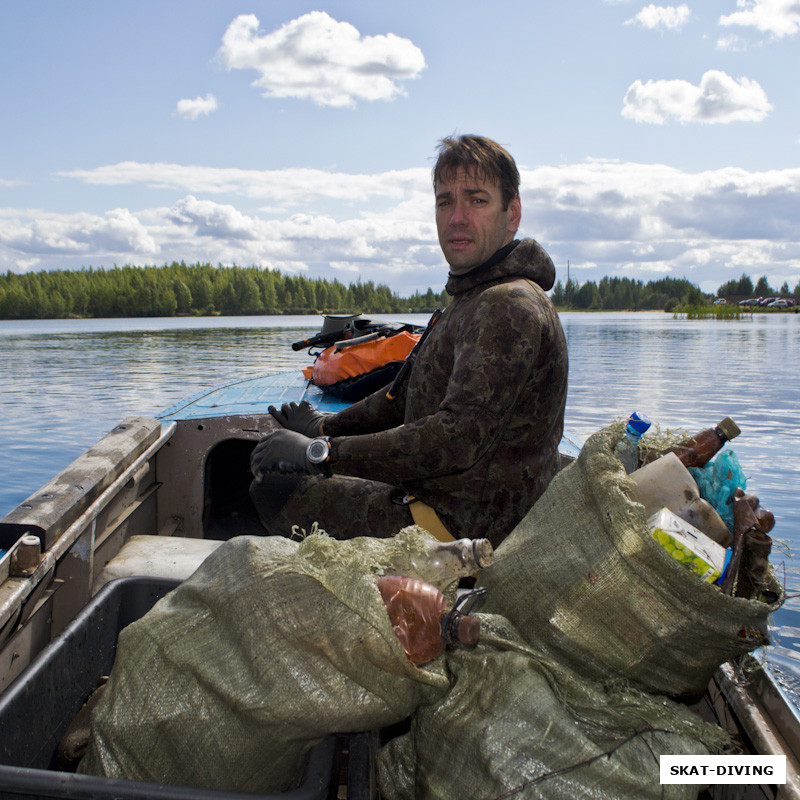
[
  {"x": 698, "y": 450},
  {"x": 416, "y": 610}
]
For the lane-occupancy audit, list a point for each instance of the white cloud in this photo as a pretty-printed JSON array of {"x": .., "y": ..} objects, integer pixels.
[
  {"x": 731, "y": 42},
  {"x": 118, "y": 231},
  {"x": 778, "y": 17},
  {"x": 608, "y": 218},
  {"x": 212, "y": 219},
  {"x": 670, "y": 17},
  {"x": 648, "y": 220},
  {"x": 192, "y": 109},
  {"x": 718, "y": 99},
  {"x": 317, "y": 58},
  {"x": 646, "y": 202},
  {"x": 40, "y": 233},
  {"x": 284, "y": 186}
]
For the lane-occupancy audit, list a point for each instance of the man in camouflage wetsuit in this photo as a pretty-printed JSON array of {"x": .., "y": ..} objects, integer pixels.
[{"x": 474, "y": 430}]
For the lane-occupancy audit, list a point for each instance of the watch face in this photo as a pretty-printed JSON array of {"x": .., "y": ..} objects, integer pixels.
[{"x": 317, "y": 451}]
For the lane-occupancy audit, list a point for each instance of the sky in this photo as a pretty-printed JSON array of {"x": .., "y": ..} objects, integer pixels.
[{"x": 653, "y": 140}]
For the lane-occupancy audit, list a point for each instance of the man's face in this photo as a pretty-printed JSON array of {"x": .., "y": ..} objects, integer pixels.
[{"x": 471, "y": 220}]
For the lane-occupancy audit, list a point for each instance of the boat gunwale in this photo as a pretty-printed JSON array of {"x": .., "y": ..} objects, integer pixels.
[{"x": 15, "y": 591}]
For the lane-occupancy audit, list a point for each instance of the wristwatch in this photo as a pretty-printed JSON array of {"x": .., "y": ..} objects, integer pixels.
[{"x": 318, "y": 450}]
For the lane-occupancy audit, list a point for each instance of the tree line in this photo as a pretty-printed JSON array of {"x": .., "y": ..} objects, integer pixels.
[
  {"x": 625, "y": 294},
  {"x": 203, "y": 289},
  {"x": 744, "y": 288},
  {"x": 194, "y": 289}
]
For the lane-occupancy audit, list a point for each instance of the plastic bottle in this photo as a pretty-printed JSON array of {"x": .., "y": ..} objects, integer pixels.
[
  {"x": 627, "y": 448},
  {"x": 441, "y": 563},
  {"x": 698, "y": 450},
  {"x": 422, "y": 619}
]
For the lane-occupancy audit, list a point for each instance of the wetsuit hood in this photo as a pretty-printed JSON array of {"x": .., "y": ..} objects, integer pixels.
[{"x": 519, "y": 259}]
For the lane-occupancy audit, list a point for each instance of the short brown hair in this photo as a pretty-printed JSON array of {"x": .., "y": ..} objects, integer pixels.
[{"x": 478, "y": 156}]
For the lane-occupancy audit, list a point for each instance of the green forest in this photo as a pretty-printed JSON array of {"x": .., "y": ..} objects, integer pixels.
[
  {"x": 195, "y": 289},
  {"x": 668, "y": 294},
  {"x": 203, "y": 289}
]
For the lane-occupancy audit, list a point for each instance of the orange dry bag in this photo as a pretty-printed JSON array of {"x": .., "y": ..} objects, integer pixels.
[{"x": 352, "y": 369}]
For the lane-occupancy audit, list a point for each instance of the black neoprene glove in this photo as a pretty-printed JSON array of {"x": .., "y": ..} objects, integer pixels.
[
  {"x": 300, "y": 417},
  {"x": 284, "y": 451}
]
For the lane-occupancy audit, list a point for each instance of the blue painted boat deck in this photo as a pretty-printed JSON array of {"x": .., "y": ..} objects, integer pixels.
[
  {"x": 255, "y": 395},
  {"x": 251, "y": 396}
]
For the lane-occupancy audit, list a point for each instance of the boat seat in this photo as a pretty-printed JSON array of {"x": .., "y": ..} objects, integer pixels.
[{"x": 157, "y": 557}]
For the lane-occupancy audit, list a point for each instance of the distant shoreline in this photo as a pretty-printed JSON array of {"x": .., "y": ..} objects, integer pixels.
[
  {"x": 202, "y": 290},
  {"x": 719, "y": 312}
]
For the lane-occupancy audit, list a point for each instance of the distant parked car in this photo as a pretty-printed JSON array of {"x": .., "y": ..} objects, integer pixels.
[
  {"x": 720, "y": 301},
  {"x": 752, "y": 301},
  {"x": 779, "y": 303}
]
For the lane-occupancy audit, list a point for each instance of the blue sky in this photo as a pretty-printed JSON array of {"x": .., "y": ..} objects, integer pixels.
[{"x": 653, "y": 140}]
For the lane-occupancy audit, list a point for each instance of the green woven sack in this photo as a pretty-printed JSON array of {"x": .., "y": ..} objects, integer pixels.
[
  {"x": 269, "y": 647},
  {"x": 583, "y": 580},
  {"x": 516, "y": 724}
]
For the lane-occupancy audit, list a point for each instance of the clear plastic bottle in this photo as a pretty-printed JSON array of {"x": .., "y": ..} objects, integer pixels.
[
  {"x": 422, "y": 619},
  {"x": 441, "y": 563},
  {"x": 627, "y": 448}
]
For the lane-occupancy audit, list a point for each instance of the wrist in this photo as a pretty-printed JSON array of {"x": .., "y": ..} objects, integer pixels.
[{"x": 318, "y": 454}]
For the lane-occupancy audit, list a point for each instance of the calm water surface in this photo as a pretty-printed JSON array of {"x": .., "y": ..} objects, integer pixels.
[{"x": 64, "y": 383}]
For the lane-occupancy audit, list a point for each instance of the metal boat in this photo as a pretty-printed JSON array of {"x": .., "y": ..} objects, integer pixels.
[{"x": 155, "y": 495}]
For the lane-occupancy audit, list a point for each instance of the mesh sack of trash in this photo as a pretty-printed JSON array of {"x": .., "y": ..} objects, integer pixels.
[
  {"x": 583, "y": 580},
  {"x": 270, "y": 646},
  {"x": 516, "y": 724}
]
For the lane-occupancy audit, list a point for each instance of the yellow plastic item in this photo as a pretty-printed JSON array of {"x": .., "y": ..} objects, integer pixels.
[
  {"x": 426, "y": 517},
  {"x": 688, "y": 545}
]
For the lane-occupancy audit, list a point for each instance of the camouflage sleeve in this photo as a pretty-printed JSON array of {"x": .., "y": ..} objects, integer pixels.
[
  {"x": 496, "y": 350},
  {"x": 376, "y": 412}
]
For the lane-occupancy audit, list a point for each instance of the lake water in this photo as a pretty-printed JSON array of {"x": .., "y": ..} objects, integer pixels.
[{"x": 65, "y": 383}]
